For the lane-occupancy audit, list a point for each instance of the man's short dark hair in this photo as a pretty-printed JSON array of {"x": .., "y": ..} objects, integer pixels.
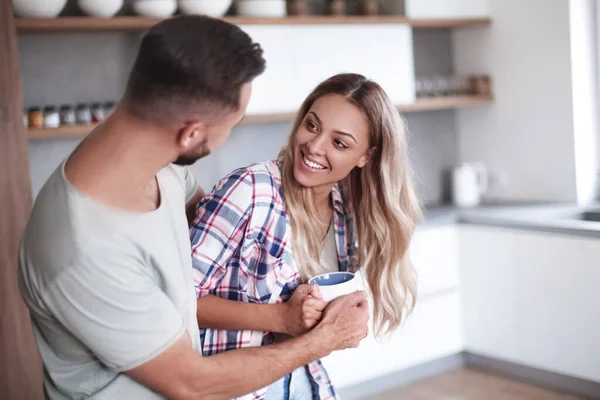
[{"x": 191, "y": 65}]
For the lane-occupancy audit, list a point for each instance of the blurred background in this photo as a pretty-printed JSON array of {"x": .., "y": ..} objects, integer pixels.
[{"x": 501, "y": 110}]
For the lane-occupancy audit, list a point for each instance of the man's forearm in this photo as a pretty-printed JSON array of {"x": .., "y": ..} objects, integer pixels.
[
  {"x": 238, "y": 372},
  {"x": 217, "y": 313}
]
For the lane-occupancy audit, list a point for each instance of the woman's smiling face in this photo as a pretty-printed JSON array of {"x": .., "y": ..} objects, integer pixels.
[{"x": 331, "y": 141}]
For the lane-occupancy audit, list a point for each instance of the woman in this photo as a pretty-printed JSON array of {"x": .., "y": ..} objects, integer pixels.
[{"x": 340, "y": 198}]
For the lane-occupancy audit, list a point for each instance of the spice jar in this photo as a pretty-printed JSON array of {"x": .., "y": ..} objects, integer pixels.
[
  {"x": 296, "y": 7},
  {"x": 51, "y": 118},
  {"x": 109, "y": 107},
  {"x": 83, "y": 114},
  {"x": 337, "y": 7},
  {"x": 483, "y": 85},
  {"x": 98, "y": 114},
  {"x": 370, "y": 7},
  {"x": 67, "y": 115},
  {"x": 36, "y": 118}
]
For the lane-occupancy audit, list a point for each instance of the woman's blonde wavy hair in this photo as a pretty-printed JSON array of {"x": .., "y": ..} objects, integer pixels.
[{"x": 380, "y": 196}]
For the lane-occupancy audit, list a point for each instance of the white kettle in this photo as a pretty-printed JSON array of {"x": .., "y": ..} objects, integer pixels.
[{"x": 469, "y": 183}]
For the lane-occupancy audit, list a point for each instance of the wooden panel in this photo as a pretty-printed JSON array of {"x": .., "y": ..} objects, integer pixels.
[
  {"x": 90, "y": 24},
  {"x": 20, "y": 366}
]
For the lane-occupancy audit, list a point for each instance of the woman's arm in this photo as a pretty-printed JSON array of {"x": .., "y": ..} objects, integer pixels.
[
  {"x": 217, "y": 313},
  {"x": 300, "y": 314},
  {"x": 224, "y": 219}
]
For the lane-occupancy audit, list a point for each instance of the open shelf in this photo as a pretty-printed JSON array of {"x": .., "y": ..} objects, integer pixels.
[
  {"x": 425, "y": 104},
  {"x": 134, "y": 23},
  {"x": 445, "y": 103}
]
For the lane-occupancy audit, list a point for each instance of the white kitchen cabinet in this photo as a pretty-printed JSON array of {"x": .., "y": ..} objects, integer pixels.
[
  {"x": 274, "y": 90},
  {"x": 434, "y": 253},
  {"x": 558, "y": 287},
  {"x": 321, "y": 51},
  {"x": 434, "y": 329},
  {"x": 447, "y": 8},
  {"x": 532, "y": 298},
  {"x": 431, "y": 332},
  {"x": 299, "y": 57},
  {"x": 488, "y": 287}
]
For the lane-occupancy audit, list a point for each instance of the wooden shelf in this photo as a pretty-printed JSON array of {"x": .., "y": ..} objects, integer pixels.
[
  {"x": 133, "y": 23},
  {"x": 63, "y": 131},
  {"x": 426, "y": 104},
  {"x": 445, "y": 103}
]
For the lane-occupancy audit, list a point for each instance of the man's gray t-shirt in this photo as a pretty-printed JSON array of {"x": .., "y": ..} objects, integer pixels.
[{"x": 107, "y": 289}]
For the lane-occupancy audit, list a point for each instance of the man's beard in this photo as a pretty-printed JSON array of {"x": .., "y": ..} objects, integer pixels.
[{"x": 194, "y": 155}]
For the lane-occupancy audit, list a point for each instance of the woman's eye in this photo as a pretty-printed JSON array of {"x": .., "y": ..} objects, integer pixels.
[
  {"x": 340, "y": 144},
  {"x": 311, "y": 126}
]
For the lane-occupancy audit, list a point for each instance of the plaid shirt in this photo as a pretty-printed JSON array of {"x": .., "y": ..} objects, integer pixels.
[{"x": 241, "y": 250}]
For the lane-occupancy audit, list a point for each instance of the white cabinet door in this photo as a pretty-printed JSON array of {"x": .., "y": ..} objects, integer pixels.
[
  {"x": 434, "y": 254},
  {"x": 299, "y": 57},
  {"x": 447, "y": 8},
  {"x": 558, "y": 288},
  {"x": 274, "y": 90},
  {"x": 379, "y": 52},
  {"x": 488, "y": 285},
  {"x": 431, "y": 332},
  {"x": 434, "y": 329},
  {"x": 532, "y": 298}
]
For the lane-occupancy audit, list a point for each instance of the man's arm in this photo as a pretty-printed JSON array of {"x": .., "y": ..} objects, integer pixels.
[{"x": 180, "y": 373}]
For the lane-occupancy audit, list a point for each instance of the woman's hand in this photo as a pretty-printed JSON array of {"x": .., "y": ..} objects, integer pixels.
[{"x": 303, "y": 310}]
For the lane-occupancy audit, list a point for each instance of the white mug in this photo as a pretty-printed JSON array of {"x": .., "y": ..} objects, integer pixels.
[{"x": 335, "y": 284}]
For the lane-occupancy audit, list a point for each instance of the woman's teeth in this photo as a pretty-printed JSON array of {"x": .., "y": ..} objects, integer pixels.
[{"x": 313, "y": 165}]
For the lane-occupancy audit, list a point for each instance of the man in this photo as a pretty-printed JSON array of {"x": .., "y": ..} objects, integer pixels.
[{"x": 105, "y": 264}]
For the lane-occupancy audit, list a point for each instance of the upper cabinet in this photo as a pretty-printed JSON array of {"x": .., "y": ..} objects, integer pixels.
[
  {"x": 300, "y": 57},
  {"x": 447, "y": 8}
]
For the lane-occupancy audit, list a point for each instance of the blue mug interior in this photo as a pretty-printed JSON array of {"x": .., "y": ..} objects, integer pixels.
[{"x": 334, "y": 278}]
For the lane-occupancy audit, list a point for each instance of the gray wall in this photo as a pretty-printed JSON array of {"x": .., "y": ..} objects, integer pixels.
[{"x": 71, "y": 68}]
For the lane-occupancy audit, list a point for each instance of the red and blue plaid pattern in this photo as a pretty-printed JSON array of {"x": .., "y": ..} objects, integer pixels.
[{"x": 241, "y": 250}]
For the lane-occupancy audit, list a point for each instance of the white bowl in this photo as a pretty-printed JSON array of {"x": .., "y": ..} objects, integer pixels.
[
  {"x": 100, "y": 8},
  {"x": 211, "y": 8},
  {"x": 155, "y": 8},
  {"x": 38, "y": 8},
  {"x": 261, "y": 8}
]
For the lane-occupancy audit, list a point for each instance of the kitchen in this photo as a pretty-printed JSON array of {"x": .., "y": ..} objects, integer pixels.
[{"x": 505, "y": 285}]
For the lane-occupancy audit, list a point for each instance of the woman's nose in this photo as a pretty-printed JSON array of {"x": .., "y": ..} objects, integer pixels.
[{"x": 317, "y": 145}]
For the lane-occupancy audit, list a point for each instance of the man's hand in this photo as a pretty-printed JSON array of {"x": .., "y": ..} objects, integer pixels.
[
  {"x": 303, "y": 310},
  {"x": 344, "y": 324}
]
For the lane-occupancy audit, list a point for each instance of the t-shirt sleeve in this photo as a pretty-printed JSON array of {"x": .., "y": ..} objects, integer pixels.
[
  {"x": 116, "y": 309},
  {"x": 191, "y": 184}
]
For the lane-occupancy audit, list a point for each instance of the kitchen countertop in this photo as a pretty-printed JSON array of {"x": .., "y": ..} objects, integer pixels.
[{"x": 545, "y": 217}]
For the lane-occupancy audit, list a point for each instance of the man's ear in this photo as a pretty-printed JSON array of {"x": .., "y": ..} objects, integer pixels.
[
  {"x": 367, "y": 157},
  {"x": 191, "y": 134}
]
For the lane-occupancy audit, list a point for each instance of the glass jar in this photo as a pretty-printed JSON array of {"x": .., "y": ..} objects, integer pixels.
[
  {"x": 109, "y": 108},
  {"x": 67, "y": 115},
  {"x": 98, "y": 114},
  {"x": 83, "y": 114},
  {"x": 36, "y": 118},
  {"x": 51, "y": 118}
]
